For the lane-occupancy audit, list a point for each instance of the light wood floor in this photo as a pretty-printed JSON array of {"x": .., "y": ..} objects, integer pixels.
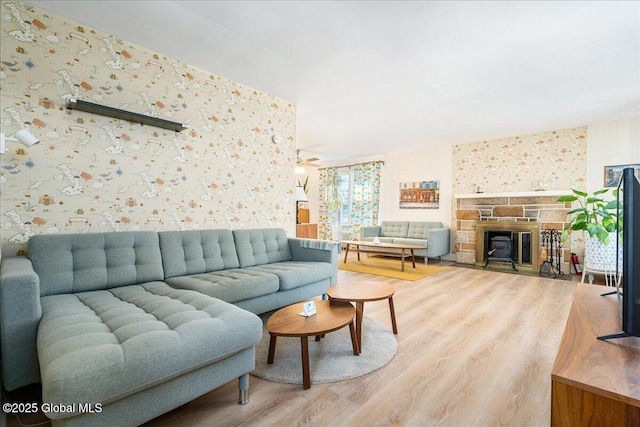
[{"x": 475, "y": 348}]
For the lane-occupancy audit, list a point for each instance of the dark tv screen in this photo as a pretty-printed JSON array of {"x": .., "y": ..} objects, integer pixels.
[
  {"x": 630, "y": 288},
  {"x": 631, "y": 253}
]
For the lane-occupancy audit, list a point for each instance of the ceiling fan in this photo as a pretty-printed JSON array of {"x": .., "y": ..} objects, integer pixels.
[{"x": 301, "y": 163}]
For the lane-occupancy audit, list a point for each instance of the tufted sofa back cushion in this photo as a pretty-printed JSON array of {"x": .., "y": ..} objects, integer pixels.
[
  {"x": 394, "y": 228},
  {"x": 193, "y": 251},
  {"x": 261, "y": 246},
  {"x": 68, "y": 263},
  {"x": 420, "y": 229}
]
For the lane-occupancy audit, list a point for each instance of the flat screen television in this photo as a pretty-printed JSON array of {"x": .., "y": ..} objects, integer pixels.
[{"x": 629, "y": 292}]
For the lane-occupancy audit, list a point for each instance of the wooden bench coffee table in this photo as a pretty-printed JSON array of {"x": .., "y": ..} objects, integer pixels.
[
  {"x": 361, "y": 291},
  {"x": 364, "y": 247},
  {"x": 330, "y": 316}
]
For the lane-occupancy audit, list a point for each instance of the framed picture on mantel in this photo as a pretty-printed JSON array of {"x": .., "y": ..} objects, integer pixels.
[{"x": 612, "y": 174}]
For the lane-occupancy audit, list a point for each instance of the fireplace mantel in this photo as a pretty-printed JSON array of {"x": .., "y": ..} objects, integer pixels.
[{"x": 550, "y": 193}]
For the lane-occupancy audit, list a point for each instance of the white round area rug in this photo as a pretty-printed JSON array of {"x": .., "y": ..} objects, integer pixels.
[{"x": 331, "y": 359}]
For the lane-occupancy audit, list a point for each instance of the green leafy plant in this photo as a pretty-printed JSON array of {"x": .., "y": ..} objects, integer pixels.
[
  {"x": 304, "y": 186},
  {"x": 595, "y": 215}
]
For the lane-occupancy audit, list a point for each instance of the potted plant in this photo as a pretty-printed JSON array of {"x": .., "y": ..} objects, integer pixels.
[
  {"x": 304, "y": 186},
  {"x": 599, "y": 221}
]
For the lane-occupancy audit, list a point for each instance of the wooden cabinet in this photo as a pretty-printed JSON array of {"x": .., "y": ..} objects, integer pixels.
[
  {"x": 303, "y": 228},
  {"x": 595, "y": 382},
  {"x": 307, "y": 231},
  {"x": 303, "y": 216}
]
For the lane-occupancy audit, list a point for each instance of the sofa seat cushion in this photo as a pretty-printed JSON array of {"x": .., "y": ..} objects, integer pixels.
[
  {"x": 417, "y": 242},
  {"x": 293, "y": 274},
  {"x": 101, "y": 346},
  {"x": 229, "y": 285}
]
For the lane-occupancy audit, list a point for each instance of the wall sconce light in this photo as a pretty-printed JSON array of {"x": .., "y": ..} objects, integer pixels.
[
  {"x": 23, "y": 136},
  {"x": 300, "y": 196}
]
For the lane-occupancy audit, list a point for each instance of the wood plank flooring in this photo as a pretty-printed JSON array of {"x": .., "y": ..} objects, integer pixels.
[{"x": 475, "y": 348}]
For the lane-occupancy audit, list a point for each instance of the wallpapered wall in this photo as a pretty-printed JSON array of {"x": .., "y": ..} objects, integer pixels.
[
  {"x": 93, "y": 174},
  {"x": 554, "y": 160}
]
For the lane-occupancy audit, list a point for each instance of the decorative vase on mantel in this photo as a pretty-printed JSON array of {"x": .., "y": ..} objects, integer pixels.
[{"x": 601, "y": 256}]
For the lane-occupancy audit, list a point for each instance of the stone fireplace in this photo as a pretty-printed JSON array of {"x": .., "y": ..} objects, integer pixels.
[{"x": 520, "y": 216}]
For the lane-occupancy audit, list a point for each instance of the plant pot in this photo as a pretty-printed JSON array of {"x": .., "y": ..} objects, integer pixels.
[{"x": 598, "y": 256}]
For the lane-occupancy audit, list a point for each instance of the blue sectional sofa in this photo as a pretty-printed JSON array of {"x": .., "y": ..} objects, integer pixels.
[
  {"x": 139, "y": 323},
  {"x": 432, "y": 235}
]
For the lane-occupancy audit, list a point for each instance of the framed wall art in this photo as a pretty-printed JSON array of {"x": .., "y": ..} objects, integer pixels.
[
  {"x": 420, "y": 195},
  {"x": 612, "y": 174}
]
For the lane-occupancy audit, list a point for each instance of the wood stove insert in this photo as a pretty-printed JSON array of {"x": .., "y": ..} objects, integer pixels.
[{"x": 516, "y": 244}]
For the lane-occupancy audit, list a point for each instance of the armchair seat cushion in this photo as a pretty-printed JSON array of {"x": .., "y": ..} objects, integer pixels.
[
  {"x": 294, "y": 274},
  {"x": 229, "y": 285},
  {"x": 101, "y": 346},
  {"x": 382, "y": 239}
]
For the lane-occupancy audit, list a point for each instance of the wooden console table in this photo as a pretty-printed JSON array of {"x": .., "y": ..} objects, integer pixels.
[
  {"x": 307, "y": 231},
  {"x": 595, "y": 382}
]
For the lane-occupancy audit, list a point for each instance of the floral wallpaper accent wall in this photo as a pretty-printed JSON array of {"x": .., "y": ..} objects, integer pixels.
[
  {"x": 92, "y": 173},
  {"x": 555, "y": 160}
]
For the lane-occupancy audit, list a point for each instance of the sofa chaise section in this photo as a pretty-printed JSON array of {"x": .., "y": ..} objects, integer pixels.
[
  {"x": 93, "y": 311},
  {"x": 103, "y": 346}
]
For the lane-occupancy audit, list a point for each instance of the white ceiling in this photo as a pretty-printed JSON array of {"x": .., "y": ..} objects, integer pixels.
[{"x": 379, "y": 77}]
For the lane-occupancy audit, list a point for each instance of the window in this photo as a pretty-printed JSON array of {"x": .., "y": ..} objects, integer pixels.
[{"x": 344, "y": 192}]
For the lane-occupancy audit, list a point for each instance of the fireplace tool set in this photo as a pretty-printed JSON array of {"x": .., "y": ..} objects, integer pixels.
[{"x": 550, "y": 244}]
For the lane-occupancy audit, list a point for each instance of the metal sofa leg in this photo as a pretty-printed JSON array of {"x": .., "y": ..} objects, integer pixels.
[{"x": 243, "y": 389}]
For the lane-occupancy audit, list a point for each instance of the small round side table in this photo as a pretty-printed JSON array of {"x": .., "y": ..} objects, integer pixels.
[
  {"x": 360, "y": 292},
  {"x": 330, "y": 316}
]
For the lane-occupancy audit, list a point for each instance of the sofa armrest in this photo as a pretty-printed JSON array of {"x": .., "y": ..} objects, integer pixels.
[
  {"x": 438, "y": 242},
  {"x": 20, "y": 314},
  {"x": 329, "y": 253},
  {"x": 370, "y": 231}
]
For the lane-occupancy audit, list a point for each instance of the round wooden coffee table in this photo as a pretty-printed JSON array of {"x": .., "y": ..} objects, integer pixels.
[
  {"x": 330, "y": 316},
  {"x": 360, "y": 292}
]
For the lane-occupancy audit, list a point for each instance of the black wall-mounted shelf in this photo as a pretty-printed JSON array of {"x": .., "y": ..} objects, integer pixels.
[{"x": 116, "y": 113}]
